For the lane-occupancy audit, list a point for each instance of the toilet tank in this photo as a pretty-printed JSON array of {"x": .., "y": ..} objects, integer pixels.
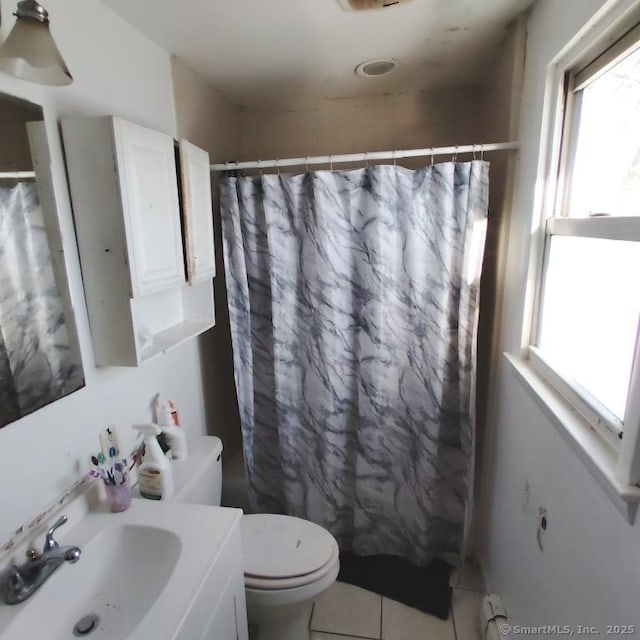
[{"x": 198, "y": 479}]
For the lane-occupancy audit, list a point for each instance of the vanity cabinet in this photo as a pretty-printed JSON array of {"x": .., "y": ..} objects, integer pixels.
[
  {"x": 126, "y": 188},
  {"x": 218, "y": 609},
  {"x": 229, "y": 619}
]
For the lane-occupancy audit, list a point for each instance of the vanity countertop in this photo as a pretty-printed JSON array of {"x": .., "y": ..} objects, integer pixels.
[{"x": 141, "y": 572}]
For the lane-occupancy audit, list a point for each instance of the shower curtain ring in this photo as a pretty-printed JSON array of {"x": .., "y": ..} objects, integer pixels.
[
  {"x": 395, "y": 157},
  {"x": 366, "y": 159},
  {"x": 330, "y": 163},
  {"x": 482, "y": 152},
  {"x": 259, "y": 167},
  {"x": 306, "y": 164},
  {"x": 473, "y": 151},
  {"x": 278, "y": 165},
  {"x": 454, "y": 158},
  {"x": 432, "y": 155}
]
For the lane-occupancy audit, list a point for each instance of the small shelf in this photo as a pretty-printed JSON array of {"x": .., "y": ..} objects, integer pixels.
[
  {"x": 172, "y": 317},
  {"x": 174, "y": 336}
]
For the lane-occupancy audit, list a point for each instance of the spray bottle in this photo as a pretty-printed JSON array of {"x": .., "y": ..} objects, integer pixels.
[{"x": 155, "y": 475}]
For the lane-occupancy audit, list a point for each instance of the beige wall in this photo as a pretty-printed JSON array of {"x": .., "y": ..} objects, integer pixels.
[
  {"x": 15, "y": 154},
  {"x": 204, "y": 117},
  {"x": 351, "y": 125},
  {"x": 500, "y": 112}
]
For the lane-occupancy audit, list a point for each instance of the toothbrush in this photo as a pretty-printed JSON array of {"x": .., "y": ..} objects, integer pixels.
[
  {"x": 125, "y": 469},
  {"x": 121, "y": 468},
  {"x": 102, "y": 470},
  {"x": 94, "y": 473},
  {"x": 108, "y": 471},
  {"x": 114, "y": 445}
]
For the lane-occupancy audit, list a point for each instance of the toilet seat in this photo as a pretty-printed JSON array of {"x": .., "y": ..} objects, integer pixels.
[
  {"x": 284, "y": 552},
  {"x": 269, "y": 584}
]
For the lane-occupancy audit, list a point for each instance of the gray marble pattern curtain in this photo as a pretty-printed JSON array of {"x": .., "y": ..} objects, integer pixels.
[
  {"x": 36, "y": 363},
  {"x": 353, "y": 300}
]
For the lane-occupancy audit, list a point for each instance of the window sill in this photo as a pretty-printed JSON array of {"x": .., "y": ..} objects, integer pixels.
[{"x": 597, "y": 456}]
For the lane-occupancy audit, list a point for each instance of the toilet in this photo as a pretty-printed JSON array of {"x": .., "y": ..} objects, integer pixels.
[{"x": 288, "y": 561}]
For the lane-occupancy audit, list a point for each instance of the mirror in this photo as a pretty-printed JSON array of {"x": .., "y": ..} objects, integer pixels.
[{"x": 39, "y": 351}]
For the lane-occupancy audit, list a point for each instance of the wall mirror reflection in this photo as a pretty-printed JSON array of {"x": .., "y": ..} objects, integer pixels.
[{"x": 39, "y": 352}]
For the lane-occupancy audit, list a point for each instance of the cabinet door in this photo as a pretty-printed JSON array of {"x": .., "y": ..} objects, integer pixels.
[
  {"x": 197, "y": 210},
  {"x": 146, "y": 168},
  {"x": 229, "y": 620}
]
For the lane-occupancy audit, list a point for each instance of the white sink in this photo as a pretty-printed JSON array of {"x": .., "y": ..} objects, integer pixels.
[
  {"x": 138, "y": 575},
  {"x": 118, "y": 578}
]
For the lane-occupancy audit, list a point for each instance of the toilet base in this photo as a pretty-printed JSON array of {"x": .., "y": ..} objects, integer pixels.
[
  {"x": 284, "y": 623},
  {"x": 284, "y": 614}
]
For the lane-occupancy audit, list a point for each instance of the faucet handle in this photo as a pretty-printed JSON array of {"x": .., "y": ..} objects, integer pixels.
[{"x": 49, "y": 541}]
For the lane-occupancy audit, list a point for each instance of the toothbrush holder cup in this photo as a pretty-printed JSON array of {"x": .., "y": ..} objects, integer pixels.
[{"x": 118, "y": 496}]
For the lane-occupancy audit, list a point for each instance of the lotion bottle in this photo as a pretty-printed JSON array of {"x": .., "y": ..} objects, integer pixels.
[{"x": 155, "y": 475}]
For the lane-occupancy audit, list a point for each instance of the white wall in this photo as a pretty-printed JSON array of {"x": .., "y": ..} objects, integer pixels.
[
  {"x": 116, "y": 71},
  {"x": 588, "y": 572}
]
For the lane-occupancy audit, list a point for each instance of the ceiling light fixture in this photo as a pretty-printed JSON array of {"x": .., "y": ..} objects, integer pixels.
[
  {"x": 375, "y": 68},
  {"x": 29, "y": 52}
]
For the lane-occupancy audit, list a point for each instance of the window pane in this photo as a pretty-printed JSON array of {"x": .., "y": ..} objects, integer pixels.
[
  {"x": 590, "y": 312},
  {"x": 606, "y": 168}
]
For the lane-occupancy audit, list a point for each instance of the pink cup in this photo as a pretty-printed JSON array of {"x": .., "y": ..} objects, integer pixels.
[{"x": 119, "y": 496}]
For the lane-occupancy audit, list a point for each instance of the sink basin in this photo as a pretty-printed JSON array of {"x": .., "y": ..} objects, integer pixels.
[
  {"x": 119, "y": 576},
  {"x": 141, "y": 575}
]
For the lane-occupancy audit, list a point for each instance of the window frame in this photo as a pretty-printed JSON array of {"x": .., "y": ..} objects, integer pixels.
[{"x": 595, "y": 50}]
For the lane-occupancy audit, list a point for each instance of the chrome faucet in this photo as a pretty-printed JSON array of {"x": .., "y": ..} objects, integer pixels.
[{"x": 23, "y": 581}]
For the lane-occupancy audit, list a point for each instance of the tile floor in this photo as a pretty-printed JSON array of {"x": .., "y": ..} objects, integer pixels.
[{"x": 345, "y": 612}]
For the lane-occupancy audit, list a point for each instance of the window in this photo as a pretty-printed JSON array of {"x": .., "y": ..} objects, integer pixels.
[{"x": 585, "y": 332}]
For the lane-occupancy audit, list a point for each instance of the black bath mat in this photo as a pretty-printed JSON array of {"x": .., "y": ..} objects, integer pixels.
[{"x": 424, "y": 588}]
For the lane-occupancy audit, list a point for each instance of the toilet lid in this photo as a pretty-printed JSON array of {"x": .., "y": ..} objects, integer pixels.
[{"x": 276, "y": 546}]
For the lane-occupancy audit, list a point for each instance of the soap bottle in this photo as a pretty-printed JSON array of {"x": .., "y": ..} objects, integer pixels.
[
  {"x": 155, "y": 475},
  {"x": 176, "y": 437}
]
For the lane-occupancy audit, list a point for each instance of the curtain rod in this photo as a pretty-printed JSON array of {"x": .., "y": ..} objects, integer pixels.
[
  {"x": 370, "y": 156},
  {"x": 17, "y": 175}
]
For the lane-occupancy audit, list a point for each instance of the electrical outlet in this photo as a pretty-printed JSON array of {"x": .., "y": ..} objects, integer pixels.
[{"x": 542, "y": 527}]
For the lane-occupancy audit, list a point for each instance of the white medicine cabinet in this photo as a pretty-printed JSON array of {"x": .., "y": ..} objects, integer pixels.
[
  {"x": 198, "y": 221},
  {"x": 147, "y": 273},
  {"x": 146, "y": 172}
]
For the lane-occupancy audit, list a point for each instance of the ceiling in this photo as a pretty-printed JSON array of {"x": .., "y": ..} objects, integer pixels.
[{"x": 284, "y": 51}]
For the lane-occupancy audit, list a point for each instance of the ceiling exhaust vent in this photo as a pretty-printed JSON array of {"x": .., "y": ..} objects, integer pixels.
[
  {"x": 375, "y": 68},
  {"x": 366, "y": 5}
]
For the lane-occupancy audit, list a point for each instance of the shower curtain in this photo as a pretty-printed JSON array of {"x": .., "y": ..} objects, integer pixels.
[{"x": 353, "y": 301}]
